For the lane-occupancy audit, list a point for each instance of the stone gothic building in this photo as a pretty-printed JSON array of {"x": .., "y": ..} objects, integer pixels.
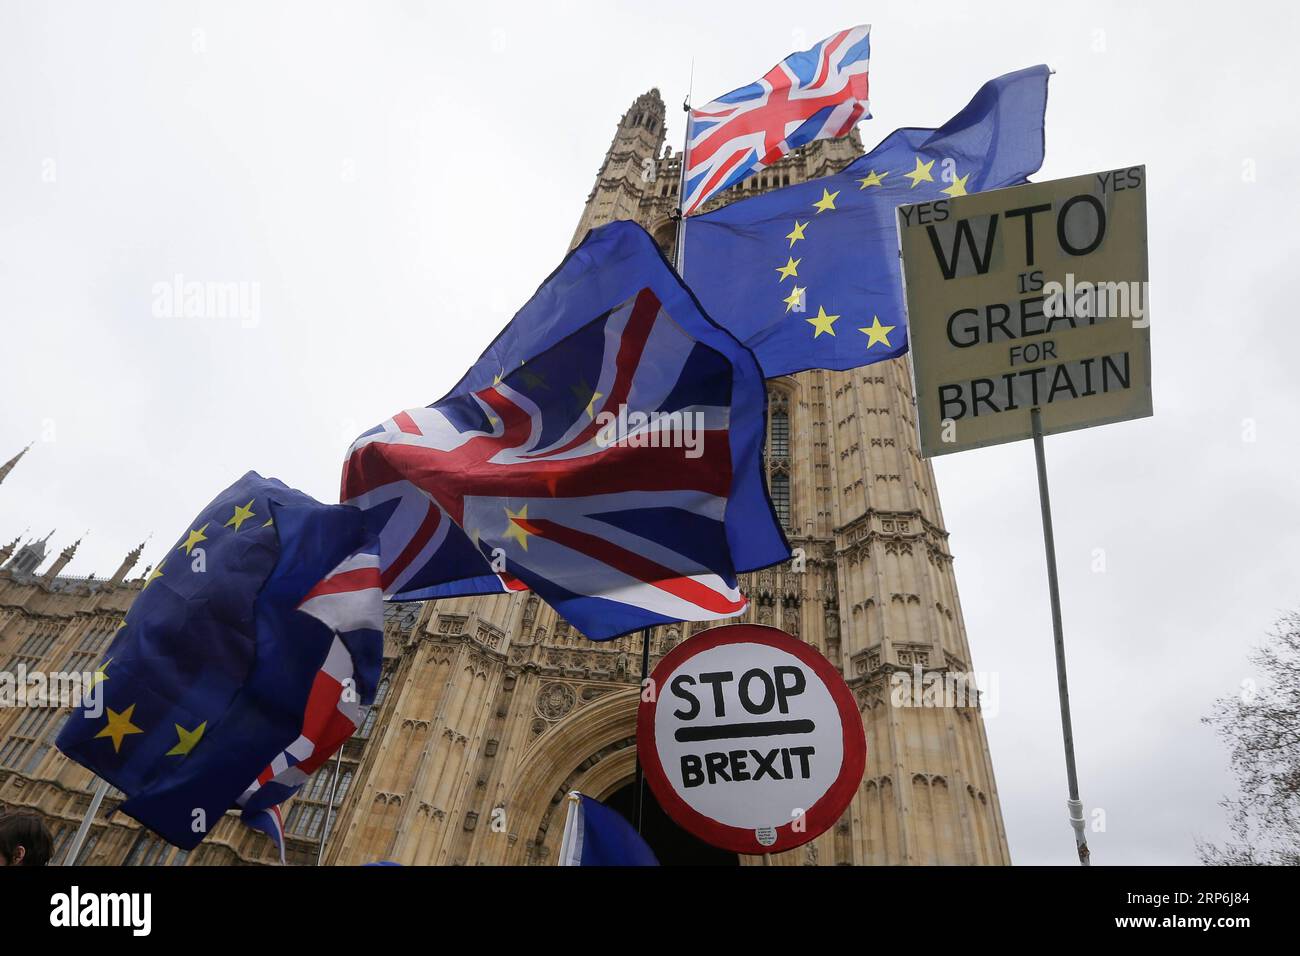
[{"x": 492, "y": 708}]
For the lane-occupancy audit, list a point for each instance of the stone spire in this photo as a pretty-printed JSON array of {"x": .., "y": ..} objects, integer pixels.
[
  {"x": 8, "y": 550},
  {"x": 128, "y": 563},
  {"x": 30, "y": 556},
  {"x": 61, "y": 561},
  {"x": 9, "y": 465},
  {"x": 629, "y": 173}
]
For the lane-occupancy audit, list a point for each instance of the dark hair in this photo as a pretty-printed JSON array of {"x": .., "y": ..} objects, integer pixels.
[{"x": 28, "y": 831}]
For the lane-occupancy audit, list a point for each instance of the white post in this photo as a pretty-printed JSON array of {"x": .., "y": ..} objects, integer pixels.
[
  {"x": 1074, "y": 804},
  {"x": 680, "y": 257},
  {"x": 570, "y": 829},
  {"x": 329, "y": 806},
  {"x": 101, "y": 788}
]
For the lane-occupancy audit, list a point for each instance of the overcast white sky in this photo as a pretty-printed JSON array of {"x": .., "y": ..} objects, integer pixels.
[{"x": 396, "y": 179}]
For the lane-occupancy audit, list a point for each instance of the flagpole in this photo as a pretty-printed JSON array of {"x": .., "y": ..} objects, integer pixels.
[
  {"x": 680, "y": 257},
  {"x": 329, "y": 807},
  {"x": 638, "y": 793},
  {"x": 566, "y": 841},
  {"x": 1074, "y": 805},
  {"x": 101, "y": 788}
]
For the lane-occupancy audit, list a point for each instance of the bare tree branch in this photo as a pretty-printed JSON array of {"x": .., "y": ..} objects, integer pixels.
[{"x": 1262, "y": 730}]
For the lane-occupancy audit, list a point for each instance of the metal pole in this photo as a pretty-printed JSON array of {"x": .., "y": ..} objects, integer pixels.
[
  {"x": 566, "y": 841},
  {"x": 679, "y": 258},
  {"x": 1074, "y": 805},
  {"x": 329, "y": 807},
  {"x": 79, "y": 837},
  {"x": 638, "y": 794}
]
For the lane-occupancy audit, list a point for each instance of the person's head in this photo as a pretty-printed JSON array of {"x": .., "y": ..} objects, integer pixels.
[{"x": 24, "y": 840}]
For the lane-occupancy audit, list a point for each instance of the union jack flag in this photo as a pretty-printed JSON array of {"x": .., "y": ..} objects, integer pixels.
[
  {"x": 348, "y": 601},
  {"x": 615, "y": 472},
  {"x": 819, "y": 93}
]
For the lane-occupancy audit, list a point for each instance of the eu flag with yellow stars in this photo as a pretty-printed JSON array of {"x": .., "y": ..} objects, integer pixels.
[
  {"x": 217, "y": 667},
  {"x": 808, "y": 276}
]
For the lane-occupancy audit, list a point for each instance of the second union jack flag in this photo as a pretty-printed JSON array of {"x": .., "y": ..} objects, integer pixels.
[
  {"x": 816, "y": 94},
  {"x": 605, "y": 452}
]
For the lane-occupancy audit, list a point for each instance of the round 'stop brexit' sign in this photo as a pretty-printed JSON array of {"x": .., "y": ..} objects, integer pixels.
[{"x": 750, "y": 739}]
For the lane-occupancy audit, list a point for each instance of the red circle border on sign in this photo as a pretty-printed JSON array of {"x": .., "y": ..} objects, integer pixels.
[{"x": 821, "y": 815}]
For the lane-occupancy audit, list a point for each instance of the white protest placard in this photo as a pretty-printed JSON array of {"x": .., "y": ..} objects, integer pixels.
[
  {"x": 750, "y": 739},
  {"x": 1032, "y": 296}
]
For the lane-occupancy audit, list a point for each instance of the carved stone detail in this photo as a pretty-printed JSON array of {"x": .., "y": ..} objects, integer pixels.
[{"x": 555, "y": 699}]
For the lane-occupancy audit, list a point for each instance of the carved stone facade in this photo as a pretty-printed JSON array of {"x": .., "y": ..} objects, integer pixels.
[{"x": 492, "y": 708}]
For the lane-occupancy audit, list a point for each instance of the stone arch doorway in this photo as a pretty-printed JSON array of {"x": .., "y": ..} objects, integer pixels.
[
  {"x": 665, "y": 235},
  {"x": 671, "y": 844},
  {"x": 592, "y": 750}
]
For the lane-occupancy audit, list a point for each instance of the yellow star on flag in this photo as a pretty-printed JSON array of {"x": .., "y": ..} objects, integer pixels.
[
  {"x": 921, "y": 174},
  {"x": 822, "y": 322},
  {"x": 795, "y": 298},
  {"x": 795, "y": 236},
  {"x": 532, "y": 379},
  {"x": 186, "y": 739},
  {"x": 587, "y": 395},
  {"x": 118, "y": 727},
  {"x": 826, "y": 202},
  {"x": 514, "y": 530},
  {"x": 872, "y": 178},
  {"x": 194, "y": 538},
  {"x": 101, "y": 673},
  {"x": 157, "y": 573},
  {"x": 877, "y": 332},
  {"x": 958, "y": 187},
  {"x": 241, "y": 515},
  {"x": 791, "y": 268}
]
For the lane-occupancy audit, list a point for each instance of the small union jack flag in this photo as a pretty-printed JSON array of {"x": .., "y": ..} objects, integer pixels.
[
  {"x": 816, "y": 94},
  {"x": 349, "y": 602},
  {"x": 605, "y": 452}
]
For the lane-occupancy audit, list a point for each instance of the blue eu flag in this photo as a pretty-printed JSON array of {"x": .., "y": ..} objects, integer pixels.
[
  {"x": 208, "y": 679},
  {"x": 596, "y": 835},
  {"x": 808, "y": 276}
]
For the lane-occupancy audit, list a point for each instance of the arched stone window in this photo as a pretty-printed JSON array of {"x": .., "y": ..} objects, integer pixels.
[
  {"x": 780, "y": 485},
  {"x": 778, "y": 454},
  {"x": 779, "y": 434}
]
